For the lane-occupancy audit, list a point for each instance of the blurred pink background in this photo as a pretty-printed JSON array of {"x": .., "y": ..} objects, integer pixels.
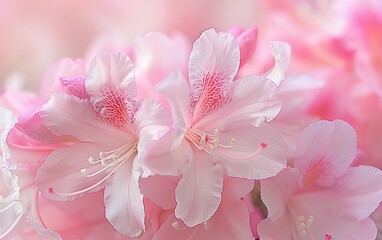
[{"x": 34, "y": 34}]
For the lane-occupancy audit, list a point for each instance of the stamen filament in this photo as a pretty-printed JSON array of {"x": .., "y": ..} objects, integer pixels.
[
  {"x": 206, "y": 142},
  {"x": 224, "y": 154},
  {"x": 52, "y": 191},
  {"x": 122, "y": 155},
  {"x": 114, "y": 159},
  {"x": 211, "y": 142}
]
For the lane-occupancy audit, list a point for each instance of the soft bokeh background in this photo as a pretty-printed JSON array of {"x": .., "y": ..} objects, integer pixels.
[{"x": 34, "y": 34}]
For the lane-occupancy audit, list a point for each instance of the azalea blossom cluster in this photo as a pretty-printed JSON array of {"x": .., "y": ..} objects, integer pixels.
[{"x": 164, "y": 140}]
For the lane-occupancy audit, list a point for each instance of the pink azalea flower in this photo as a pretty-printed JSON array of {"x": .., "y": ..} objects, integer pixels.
[
  {"x": 215, "y": 119},
  {"x": 323, "y": 195},
  {"x": 111, "y": 131}
]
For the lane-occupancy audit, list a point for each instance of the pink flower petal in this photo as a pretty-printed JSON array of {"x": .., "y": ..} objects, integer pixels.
[
  {"x": 340, "y": 210},
  {"x": 252, "y": 101},
  {"x": 281, "y": 51},
  {"x": 247, "y": 41},
  {"x": 151, "y": 113},
  {"x": 17, "y": 100},
  {"x": 124, "y": 201},
  {"x": 74, "y": 86},
  {"x": 156, "y": 141},
  {"x": 362, "y": 188},
  {"x": 286, "y": 227},
  {"x": 231, "y": 220},
  {"x": 152, "y": 124},
  {"x": 111, "y": 87},
  {"x": 155, "y": 56},
  {"x": 275, "y": 229},
  {"x": 168, "y": 163},
  {"x": 31, "y": 124},
  {"x": 198, "y": 193},
  {"x": 325, "y": 151},
  {"x": 177, "y": 92},
  {"x": 66, "y": 68},
  {"x": 255, "y": 153},
  {"x": 160, "y": 190},
  {"x": 60, "y": 177},
  {"x": 329, "y": 216},
  {"x": 214, "y": 61},
  {"x": 276, "y": 191},
  {"x": 68, "y": 115}
]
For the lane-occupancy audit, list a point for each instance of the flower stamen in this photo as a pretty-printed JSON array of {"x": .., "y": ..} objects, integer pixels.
[
  {"x": 205, "y": 141},
  {"x": 177, "y": 226},
  {"x": 111, "y": 159},
  {"x": 303, "y": 226},
  {"x": 211, "y": 142}
]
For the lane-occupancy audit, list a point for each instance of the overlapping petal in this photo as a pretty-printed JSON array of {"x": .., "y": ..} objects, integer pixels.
[
  {"x": 198, "y": 193},
  {"x": 255, "y": 153},
  {"x": 60, "y": 176},
  {"x": 63, "y": 69},
  {"x": 112, "y": 91},
  {"x": 323, "y": 161},
  {"x": 361, "y": 189},
  {"x": 281, "y": 51},
  {"x": 66, "y": 115},
  {"x": 124, "y": 201},
  {"x": 253, "y": 100},
  {"x": 214, "y": 61},
  {"x": 231, "y": 220}
]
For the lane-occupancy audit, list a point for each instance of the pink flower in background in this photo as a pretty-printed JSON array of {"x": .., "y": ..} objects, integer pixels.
[
  {"x": 322, "y": 194},
  {"x": 247, "y": 40},
  {"x": 214, "y": 116}
]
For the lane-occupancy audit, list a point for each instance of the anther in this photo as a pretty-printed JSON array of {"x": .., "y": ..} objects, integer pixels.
[
  {"x": 205, "y": 225},
  {"x": 309, "y": 222},
  {"x": 176, "y": 226},
  {"x": 304, "y": 225}
]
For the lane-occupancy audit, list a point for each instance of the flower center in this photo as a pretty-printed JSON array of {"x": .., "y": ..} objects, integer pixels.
[
  {"x": 205, "y": 141},
  {"x": 211, "y": 143},
  {"x": 108, "y": 161}
]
